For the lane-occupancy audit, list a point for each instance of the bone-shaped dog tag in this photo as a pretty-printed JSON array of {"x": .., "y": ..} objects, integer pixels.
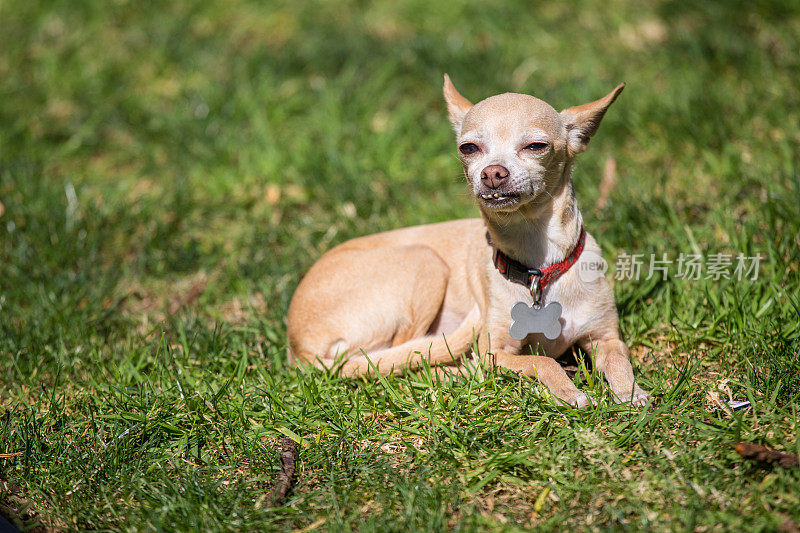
[{"x": 529, "y": 320}]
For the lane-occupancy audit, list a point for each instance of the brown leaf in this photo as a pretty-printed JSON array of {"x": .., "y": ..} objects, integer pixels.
[{"x": 756, "y": 452}]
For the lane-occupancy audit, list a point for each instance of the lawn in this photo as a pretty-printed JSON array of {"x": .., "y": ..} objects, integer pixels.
[{"x": 169, "y": 170}]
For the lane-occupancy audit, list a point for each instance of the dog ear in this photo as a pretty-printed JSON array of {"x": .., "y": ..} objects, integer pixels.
[
  {"x": 457, "y": 105},
  {"x": 582, "y": 121}
]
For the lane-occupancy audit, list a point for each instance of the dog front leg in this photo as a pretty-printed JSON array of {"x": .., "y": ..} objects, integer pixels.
[
  {"x": 613, "y": 360},
  {"x": 548, "y": 372}
]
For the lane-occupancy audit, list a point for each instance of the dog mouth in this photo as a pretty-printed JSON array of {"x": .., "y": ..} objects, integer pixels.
[{"x": 500, "y": 199}]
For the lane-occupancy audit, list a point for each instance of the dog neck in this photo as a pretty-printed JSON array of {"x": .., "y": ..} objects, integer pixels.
[{"x": 539, "y": 234}]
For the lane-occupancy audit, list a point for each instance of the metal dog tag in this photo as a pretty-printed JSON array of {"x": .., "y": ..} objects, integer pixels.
[{"x": 536, "y": 319}]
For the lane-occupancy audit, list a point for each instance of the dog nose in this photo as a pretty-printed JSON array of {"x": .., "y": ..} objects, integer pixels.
[{"x": 494, "y": 175}]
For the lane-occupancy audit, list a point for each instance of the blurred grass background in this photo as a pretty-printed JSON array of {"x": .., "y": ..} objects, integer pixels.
[{"x": 168, "y": 170}]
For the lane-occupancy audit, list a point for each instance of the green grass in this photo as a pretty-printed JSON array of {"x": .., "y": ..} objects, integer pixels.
[{"x": 168, "y": 171}]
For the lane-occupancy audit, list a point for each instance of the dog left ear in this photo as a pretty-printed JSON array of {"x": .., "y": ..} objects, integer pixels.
[{"x": 582, "y": 121}]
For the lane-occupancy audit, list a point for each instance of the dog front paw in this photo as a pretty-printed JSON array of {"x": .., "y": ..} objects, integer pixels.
[
  {"x": 581, "y": 400},
  {"x": 639, "y": 397}
]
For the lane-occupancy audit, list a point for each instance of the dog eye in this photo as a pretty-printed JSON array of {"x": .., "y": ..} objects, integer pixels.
[
  {"x": 468, "y": 148},
  {"x": 536, "y": 147}
]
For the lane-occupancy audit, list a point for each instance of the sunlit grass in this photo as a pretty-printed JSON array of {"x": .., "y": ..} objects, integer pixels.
[{"x": 168, "y": 171}]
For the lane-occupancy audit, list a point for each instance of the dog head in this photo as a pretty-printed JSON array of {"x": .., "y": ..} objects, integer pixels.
[{"x": 515, "y": 148}]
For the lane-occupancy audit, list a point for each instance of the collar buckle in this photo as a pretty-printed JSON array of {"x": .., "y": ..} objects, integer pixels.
[
  {"x": 534, "y": 286},
  {"x": 535, "y": 279}
]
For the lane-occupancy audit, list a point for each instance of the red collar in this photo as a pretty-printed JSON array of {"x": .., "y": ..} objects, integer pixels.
[{"x": 515, "y": 271}]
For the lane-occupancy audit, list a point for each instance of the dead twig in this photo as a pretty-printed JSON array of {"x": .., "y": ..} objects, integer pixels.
[
  {"x": 756, "y": 452},
  {"x": 194, "y": 292},
  {"x": 608, "y": 182},
  {"x": 283, "y": 482}
]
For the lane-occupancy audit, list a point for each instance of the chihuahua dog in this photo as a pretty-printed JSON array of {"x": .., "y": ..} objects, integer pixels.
[{"x": 513, "y": 288}]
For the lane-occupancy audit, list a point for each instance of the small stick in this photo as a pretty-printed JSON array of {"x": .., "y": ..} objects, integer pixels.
[
  {"x": 283, "y": 482},
  {"x": 608, "y": 182},
  {"x": 756, "y": 452}
]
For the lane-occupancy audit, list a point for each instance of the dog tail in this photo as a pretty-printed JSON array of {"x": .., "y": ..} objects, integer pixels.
[{"x": 437, "y": 350}]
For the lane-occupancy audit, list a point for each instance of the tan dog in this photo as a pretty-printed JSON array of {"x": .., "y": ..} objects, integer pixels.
[{"x": 384, "y": 302}]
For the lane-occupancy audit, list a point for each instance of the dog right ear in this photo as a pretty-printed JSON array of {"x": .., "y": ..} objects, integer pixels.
[{"x": 457, "y": 105}]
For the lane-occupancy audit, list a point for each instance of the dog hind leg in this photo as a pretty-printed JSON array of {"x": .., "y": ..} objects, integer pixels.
[
  {"x": 400, "y": 293},
  {"x": 436, "y": 349}
]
